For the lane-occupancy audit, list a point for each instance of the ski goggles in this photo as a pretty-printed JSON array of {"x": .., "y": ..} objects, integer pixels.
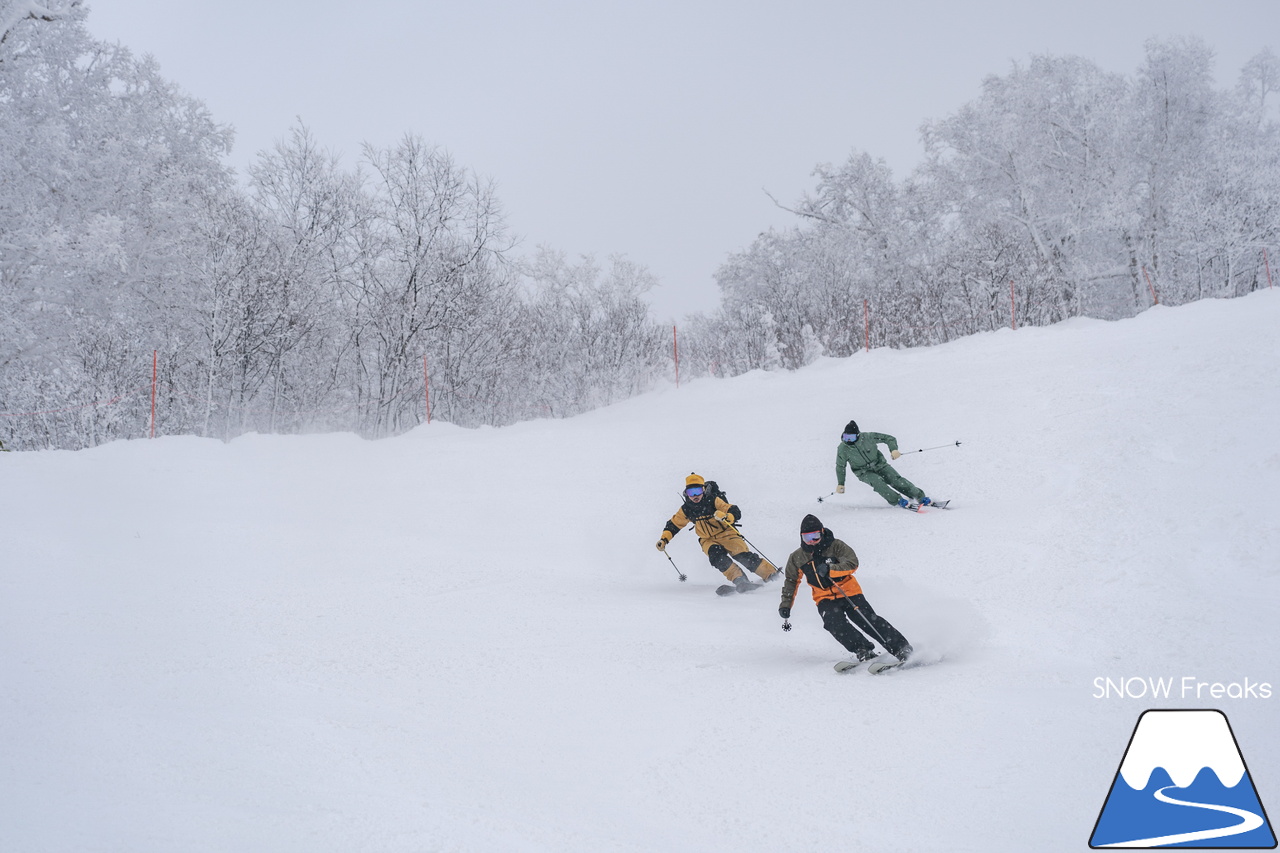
[
  {"x": 811, "y": 538},
  {"x": 693, "y": 491},
  {"x": 850, "y": 437}
]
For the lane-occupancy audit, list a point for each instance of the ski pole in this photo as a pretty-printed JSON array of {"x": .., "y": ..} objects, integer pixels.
[
  {"x": 683, "y": 578},
  {"x": 824, "y": 497},
  {"x": 858, "y": 611},
  {"x": 923, "y": 449},
  {"x": 757, "y": 550}
]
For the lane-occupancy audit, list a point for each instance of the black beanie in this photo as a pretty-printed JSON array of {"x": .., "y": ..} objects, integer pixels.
[
  {"x": 852, "y": 426},
  {"x": 810, "y": 524}
]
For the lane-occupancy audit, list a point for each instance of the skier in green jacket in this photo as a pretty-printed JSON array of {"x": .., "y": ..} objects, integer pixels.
[{"x": 858, "y": 452}]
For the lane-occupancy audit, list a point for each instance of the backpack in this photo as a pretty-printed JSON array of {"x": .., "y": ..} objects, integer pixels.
[
  {"x": 712, "y": 488},
  {"x": 713, "y": 491}
]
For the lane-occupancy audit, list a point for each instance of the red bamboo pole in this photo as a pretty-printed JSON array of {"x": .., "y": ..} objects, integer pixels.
[
  {"x": 675, "y": 350},
  {"x": 426, "y": 387},
  {"x": 155, "y": 365},
  {"x": 1150, "y": 286}
]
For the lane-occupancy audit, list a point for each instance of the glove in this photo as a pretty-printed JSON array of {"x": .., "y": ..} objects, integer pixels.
[
  {"x": 784, "y": 611},
  {"x": 895, "y": 454},
  {"x": 725, "y": 516},
  {"x": 662, "y": 543},
  {"x": 823, "y": 569},
  {"x": 839, "y": 490}
]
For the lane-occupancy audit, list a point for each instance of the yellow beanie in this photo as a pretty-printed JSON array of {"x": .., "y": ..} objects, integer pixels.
[{"x": 694, "y": 480}]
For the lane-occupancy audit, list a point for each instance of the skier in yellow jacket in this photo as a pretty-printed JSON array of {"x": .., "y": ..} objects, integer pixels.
[{"x": 713, "y": 518}]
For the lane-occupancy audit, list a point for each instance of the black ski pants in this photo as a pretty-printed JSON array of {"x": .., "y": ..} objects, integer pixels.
[
  {"x": 849, "y": 619},
  {"x": 723, "y": 560}
]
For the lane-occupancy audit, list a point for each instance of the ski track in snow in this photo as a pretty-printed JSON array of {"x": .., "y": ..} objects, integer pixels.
[{"x": 465, "y": 640}]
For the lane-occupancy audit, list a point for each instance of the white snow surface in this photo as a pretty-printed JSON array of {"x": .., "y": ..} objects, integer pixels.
[{"x": 465, "y": 640}]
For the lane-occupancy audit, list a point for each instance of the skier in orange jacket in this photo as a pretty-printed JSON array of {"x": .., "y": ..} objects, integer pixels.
[{"x": 828, "y": 565}]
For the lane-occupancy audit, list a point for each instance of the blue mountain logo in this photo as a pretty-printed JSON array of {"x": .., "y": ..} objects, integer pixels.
[{"x": 1183, "y": 783}]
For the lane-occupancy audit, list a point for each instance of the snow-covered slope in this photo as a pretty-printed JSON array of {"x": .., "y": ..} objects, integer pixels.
[{"x": 465, "y": 640}]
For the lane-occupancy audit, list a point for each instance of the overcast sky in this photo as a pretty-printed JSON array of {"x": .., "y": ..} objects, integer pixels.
[{"x": 647, "y": 129}]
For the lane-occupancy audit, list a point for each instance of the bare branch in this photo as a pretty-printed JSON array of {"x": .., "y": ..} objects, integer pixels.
[{"x": 808, "y": 214}]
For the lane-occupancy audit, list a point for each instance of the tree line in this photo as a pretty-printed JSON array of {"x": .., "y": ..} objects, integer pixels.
[
  {"x": 306, "y": 299},
  {"x": 1064, "y": 189},
  {"x": 307, "y": 296}
]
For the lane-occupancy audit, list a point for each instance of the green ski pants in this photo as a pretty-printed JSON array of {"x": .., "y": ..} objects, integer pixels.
[{"x": 888, "y": 483}]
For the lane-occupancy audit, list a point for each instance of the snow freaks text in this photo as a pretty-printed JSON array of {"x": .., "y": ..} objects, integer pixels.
[{"x": 1186, "y": 687}]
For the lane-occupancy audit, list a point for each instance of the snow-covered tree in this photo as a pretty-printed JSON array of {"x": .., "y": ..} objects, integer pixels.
[
  {"x": 586, "y": 335},
  {"x": 104, "y": 166},
  {"x": 1069, "y": 186}
]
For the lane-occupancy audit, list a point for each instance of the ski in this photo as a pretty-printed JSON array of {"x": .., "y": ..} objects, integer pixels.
[
  {"x": 850, "y": 665},
  {"x": 914, "y": 507},
  {"x": 880, "y": 665},
  {"x": 730, "y": 589},
  {"x": 890, "y": 664},
  {"x": 909, "y": 663},
  {"x": 886, "y": 661}
]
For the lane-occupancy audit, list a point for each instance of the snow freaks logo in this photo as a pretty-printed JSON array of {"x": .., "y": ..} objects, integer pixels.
[{"x": 1182, "y": 783}]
